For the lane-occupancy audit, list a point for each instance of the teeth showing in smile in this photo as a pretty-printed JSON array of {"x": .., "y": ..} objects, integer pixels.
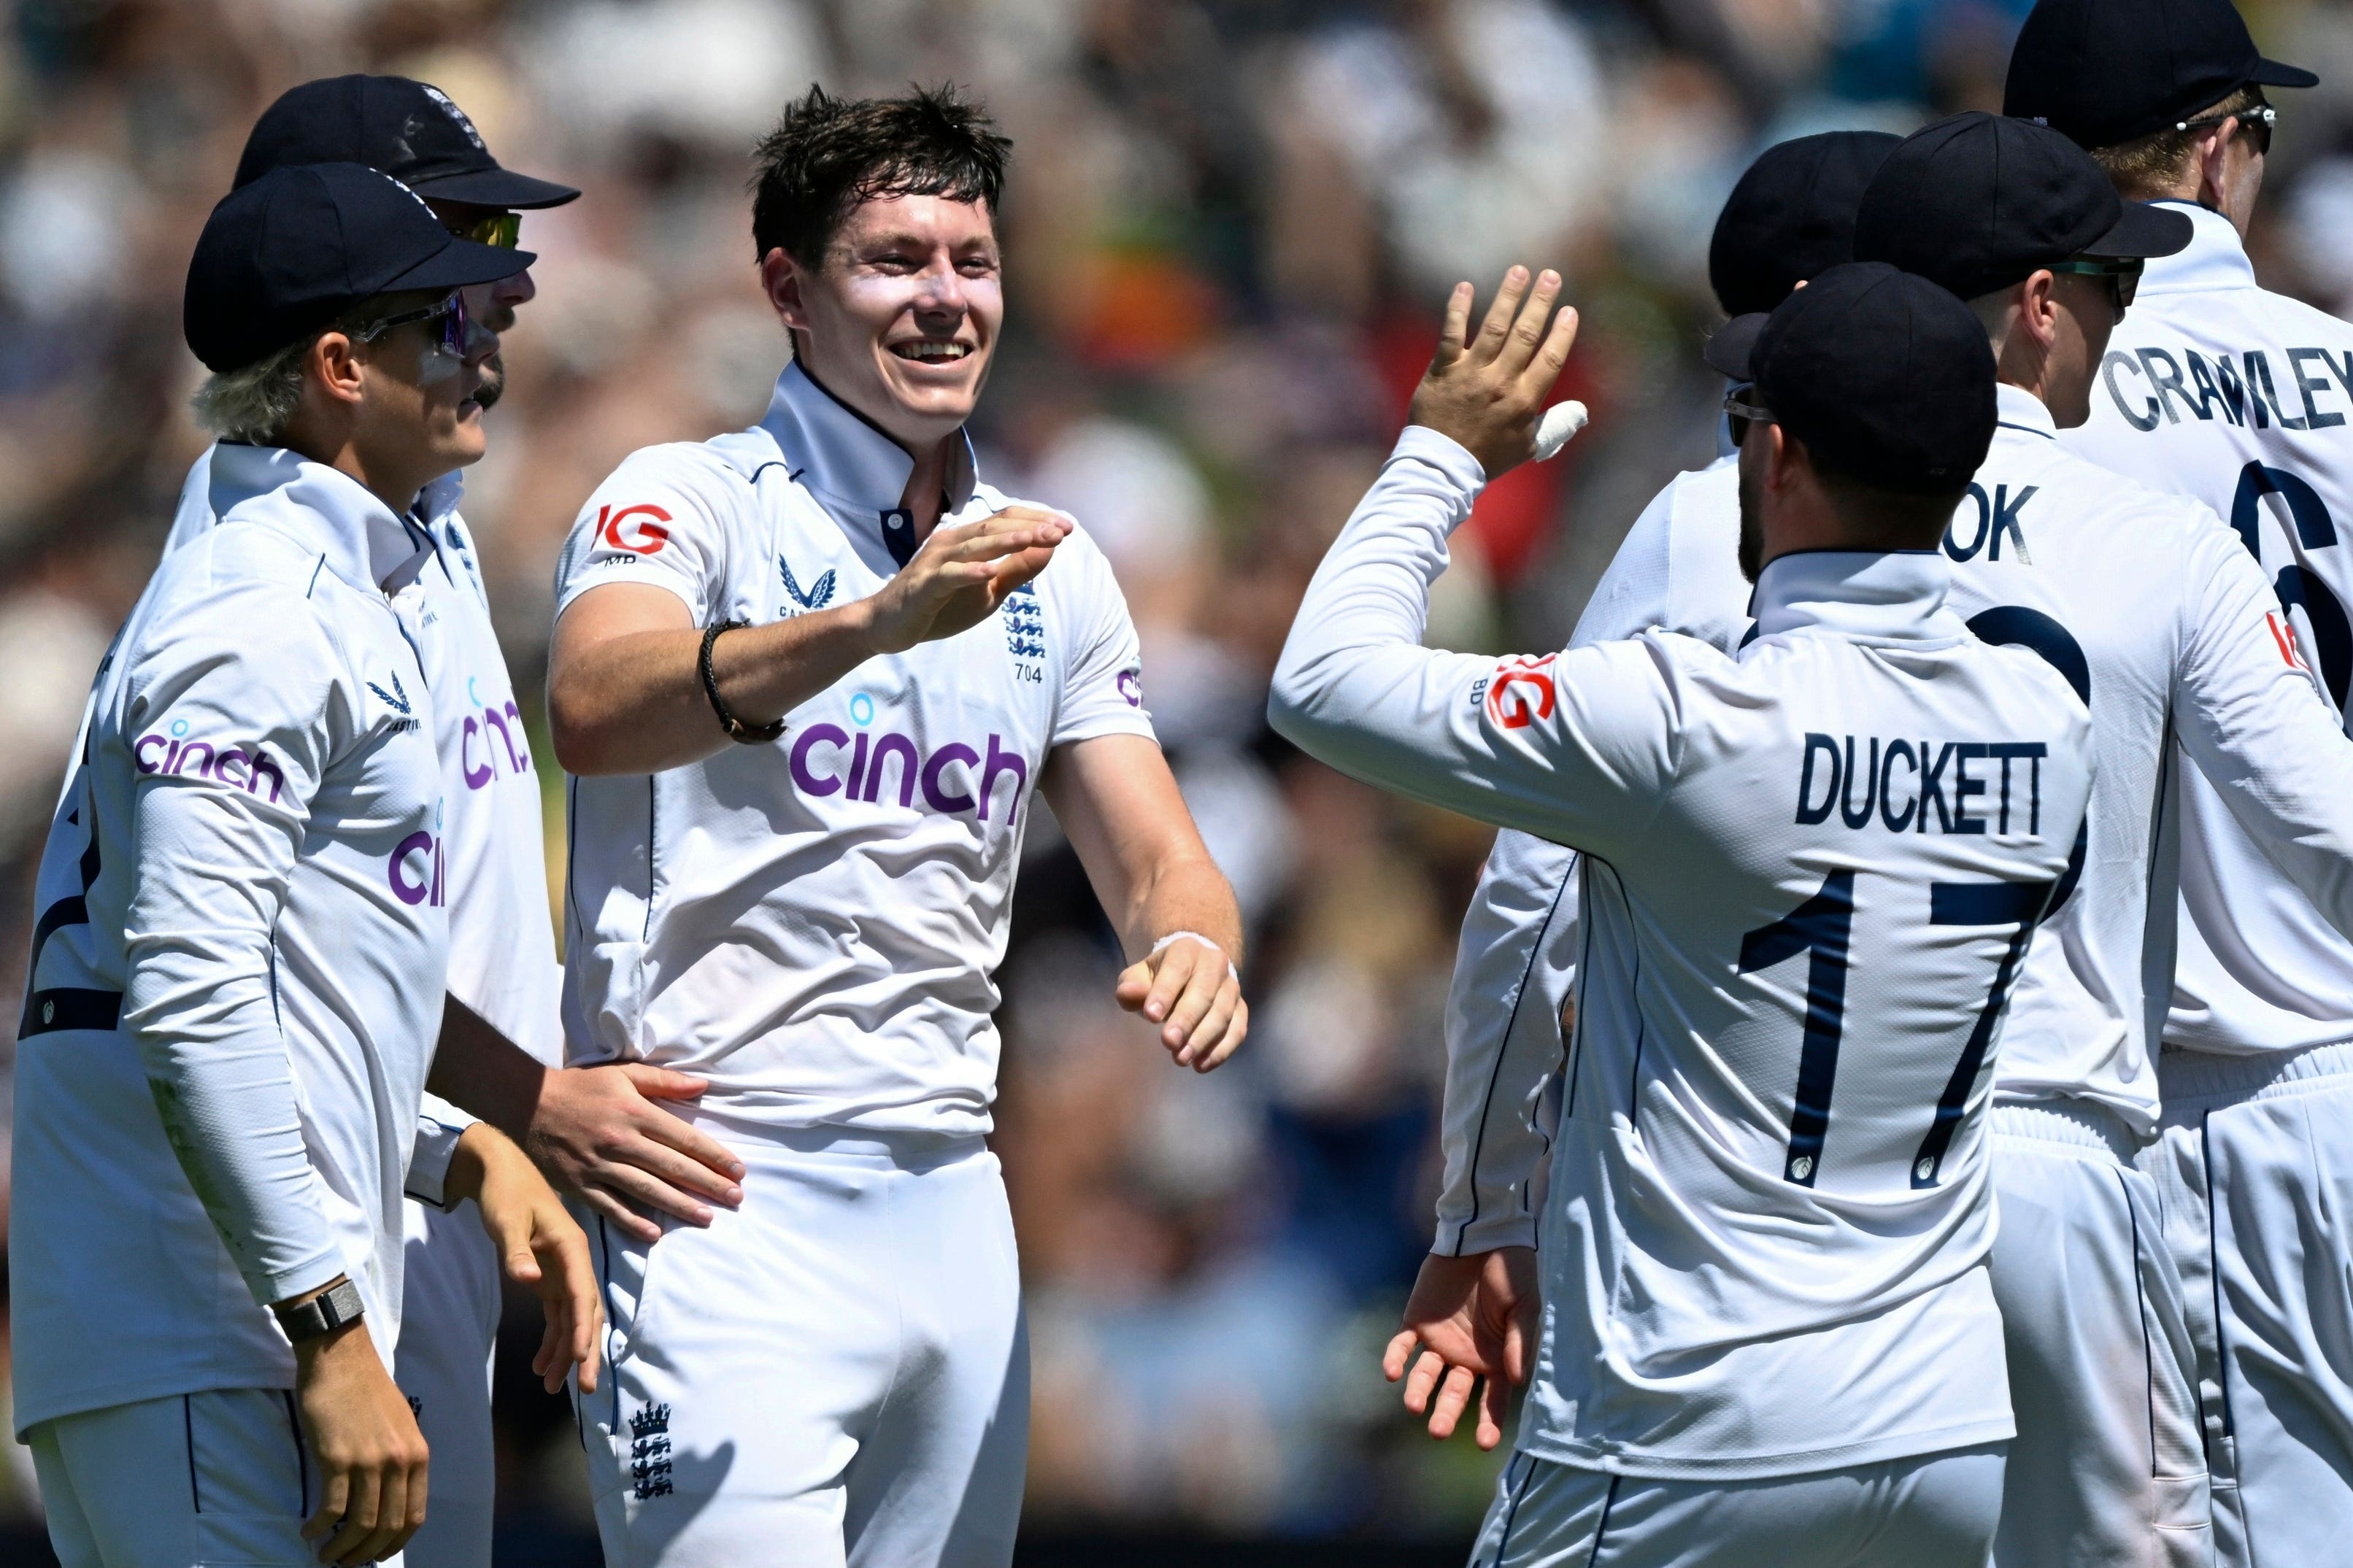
[{"x": 931, "y": 352}]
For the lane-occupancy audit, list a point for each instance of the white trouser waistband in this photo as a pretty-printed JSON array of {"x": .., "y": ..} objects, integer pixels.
[
  {"x": 2079, "y": 1124},
  {"x": 2211, "y": 1081}
]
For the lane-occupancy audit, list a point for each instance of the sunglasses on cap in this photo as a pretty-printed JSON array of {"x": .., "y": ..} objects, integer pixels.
[
  {"x": 504, "y": 230},
  {"x": 2256, "y": 123},
  {"x": 1741, "y": 410},
  {"x": 450, "y": 313},
  {"x": 2123, "y": 276}
]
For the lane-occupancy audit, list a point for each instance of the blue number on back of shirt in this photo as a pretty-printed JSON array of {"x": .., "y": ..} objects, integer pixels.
[
  {"x": 1823, "y": 927},
  {"x": 2314, "y": 529}
]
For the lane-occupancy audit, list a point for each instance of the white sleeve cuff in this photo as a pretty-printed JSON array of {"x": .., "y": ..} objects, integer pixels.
[
  {"x": 439, "y": 1125},
  {"x": 1452, "y": 460},
  {"x": 1458, "y": 1240}
]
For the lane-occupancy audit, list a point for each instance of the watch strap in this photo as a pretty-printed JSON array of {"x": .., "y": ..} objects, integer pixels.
[{"x": 323, "y": 1313}]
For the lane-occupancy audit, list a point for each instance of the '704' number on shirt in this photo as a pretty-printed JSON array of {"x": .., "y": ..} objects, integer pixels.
[{"x": 1822, "y": 927}]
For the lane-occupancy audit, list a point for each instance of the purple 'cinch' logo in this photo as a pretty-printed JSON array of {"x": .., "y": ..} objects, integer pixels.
[
  {"x": 241, "y": 766},
  {"x": 863, "y": 779},
  {"x": 414, "y": 883}
]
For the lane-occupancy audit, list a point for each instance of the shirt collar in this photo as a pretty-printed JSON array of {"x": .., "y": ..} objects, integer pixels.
[
  {"x": 365, "y": 542},
  {"x": 854, "y": 470},
  {"x": 1881, "y": 596},
  {"x": 2216, "y": 257},
  {"x": 2018, "y": 409}
]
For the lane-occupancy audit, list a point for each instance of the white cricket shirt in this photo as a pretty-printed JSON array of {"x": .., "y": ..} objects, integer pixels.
[
  {"x": 494, "y": 845},
  {"x": 2242, "y": 398},
  {"x": 813, "y": 925},
  {"x": 1765, "y": 1234},
  {"x": 242, "y": 923},
  {"x": 2149, "y": 606}
]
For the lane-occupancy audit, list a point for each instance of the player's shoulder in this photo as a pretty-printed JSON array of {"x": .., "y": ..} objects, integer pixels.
[
  {"x": 705, "y": 474},
  {"x": 2156, "y": 517}
]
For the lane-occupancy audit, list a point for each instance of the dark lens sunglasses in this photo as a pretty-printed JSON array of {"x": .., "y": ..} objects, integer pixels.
[
  {"x": 2124, "y": 280},
  {"x": 450, "y": 313},
  {"x": 1741, "y": 410},
  {"x": 504, "y": 230},
  {"x": 2256, "y": 123}
]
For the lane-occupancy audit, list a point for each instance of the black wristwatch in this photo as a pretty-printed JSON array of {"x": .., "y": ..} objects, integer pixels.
[{"x": 329, "y": 1310}]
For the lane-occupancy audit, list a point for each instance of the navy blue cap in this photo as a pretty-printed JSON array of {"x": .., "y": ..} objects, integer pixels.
[
  {"x": 1791, "y": 216},
  {"x": 409, "y": 129},
  {"x": 284, "y": 256},
  {"x": 1979, "y": 202},
  {"x": 2107, "y": 72},
  {"x": 1884, "y": 376}
]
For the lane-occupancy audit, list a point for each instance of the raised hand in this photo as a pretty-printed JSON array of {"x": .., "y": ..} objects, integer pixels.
[
  {"x": 961, "y": 574},
  {"x": 1473, "y": 1317},
  {"x": 1487, "y": 392}
]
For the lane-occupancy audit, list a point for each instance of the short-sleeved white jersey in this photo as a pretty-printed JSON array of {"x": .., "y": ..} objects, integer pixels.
[
  {"x": 2243, "y": 399},
  {"x": 240, "y": 951},
  {"x": 494, "y": 845},
  {"x": 813, "y": 925},
  {"x": 2149, "y": 606},
  {"x": 1771, "y": 1175}
]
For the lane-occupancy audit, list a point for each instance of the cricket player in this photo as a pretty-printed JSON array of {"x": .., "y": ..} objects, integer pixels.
[
  {"x": 2140, "y": 598},
  {"x": 1769, "y": 1336},
  {"x": 239, "y": 968},
  {"x": 503, "y": 1043},
  {"x": 813, "y": 676},
  {"x": 2240, "y": 397},
  {"x": 1791, "y": 216}
]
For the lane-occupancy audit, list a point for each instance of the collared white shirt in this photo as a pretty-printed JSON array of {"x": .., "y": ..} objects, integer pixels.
[
  {"x": 2146, "y": 602},
  {"x": 2243, "y": 399},
  {"x": 494, "y": 844},
  {"x": 1739, "y": 1207},
  {"x": 813, "y": 925},
  {"x": 242, "y": 924}
]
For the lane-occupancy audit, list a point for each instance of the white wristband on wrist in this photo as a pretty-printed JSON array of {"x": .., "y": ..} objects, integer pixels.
[{"x": 1174, "y": 936}]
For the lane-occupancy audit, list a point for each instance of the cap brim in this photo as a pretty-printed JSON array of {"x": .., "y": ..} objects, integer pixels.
[
  {"x": 2271, "y": 73},
  {"x": 1727, "y": 353},
  {"x": 462, "y": 263},
  {"x": 496, "y": 188},
  {"x": 2143, "y": 232}
]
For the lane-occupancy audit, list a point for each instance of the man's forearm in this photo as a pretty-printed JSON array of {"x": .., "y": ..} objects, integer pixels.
[
  {"x": 636, "y": 703},
  {"x": 477, "y": 1068},
  {"x": 1186, "y": 892}
]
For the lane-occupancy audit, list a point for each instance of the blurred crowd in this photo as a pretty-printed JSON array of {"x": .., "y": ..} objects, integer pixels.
[{"x": 1229, "y": 227}]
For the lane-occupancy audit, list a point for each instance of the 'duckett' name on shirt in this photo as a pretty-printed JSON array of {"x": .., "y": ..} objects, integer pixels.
[{"x": 813, "y": 925}]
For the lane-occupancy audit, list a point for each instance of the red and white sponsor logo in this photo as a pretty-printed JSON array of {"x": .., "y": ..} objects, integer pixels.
[
  {"x": 1521, "y": 692},
  {"x": 2285, "y": 635},
  {"x": 650, "y": 536}
]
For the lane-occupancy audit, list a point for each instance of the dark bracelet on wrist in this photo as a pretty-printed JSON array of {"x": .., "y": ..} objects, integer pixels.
[{"x": 737, "y": 731}]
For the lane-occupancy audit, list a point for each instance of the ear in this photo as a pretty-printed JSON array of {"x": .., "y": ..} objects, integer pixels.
[
  {"x": 786, "y": 282},
  {"x": 1783, "y": 457},
  {"x": 2038, "y": 307},
  {"x": 2214, "y": 163},
  {"x": 333, "y": 363}
]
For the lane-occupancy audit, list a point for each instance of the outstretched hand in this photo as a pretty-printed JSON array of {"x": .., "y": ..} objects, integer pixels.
[
  {"x": 962, "y": 574},
  {"x": 1474, "y": 1318},
  {"x": 1487, "y": 392}
]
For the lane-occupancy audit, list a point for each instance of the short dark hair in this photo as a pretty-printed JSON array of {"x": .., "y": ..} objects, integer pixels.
[
  {"x": 828, "y": 154},
  {"x": 2153, "y": 166}
]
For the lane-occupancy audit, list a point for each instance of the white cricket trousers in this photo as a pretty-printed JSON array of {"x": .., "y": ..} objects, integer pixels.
[
  {"x": 2255, "y": 1166},
  {"x": 1935, "y": 1511},
  {"x": 834, "y": 1374},
  {"x": 217, "y": 1477},
  {"x": 448, "y": 1331},
  {"x": 2108, "y": 1466}
]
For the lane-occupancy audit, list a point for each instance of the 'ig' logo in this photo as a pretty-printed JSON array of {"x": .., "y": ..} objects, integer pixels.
[
  {"x": 1521, "y": 692},
  {"x": 649, "y": 536}
]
